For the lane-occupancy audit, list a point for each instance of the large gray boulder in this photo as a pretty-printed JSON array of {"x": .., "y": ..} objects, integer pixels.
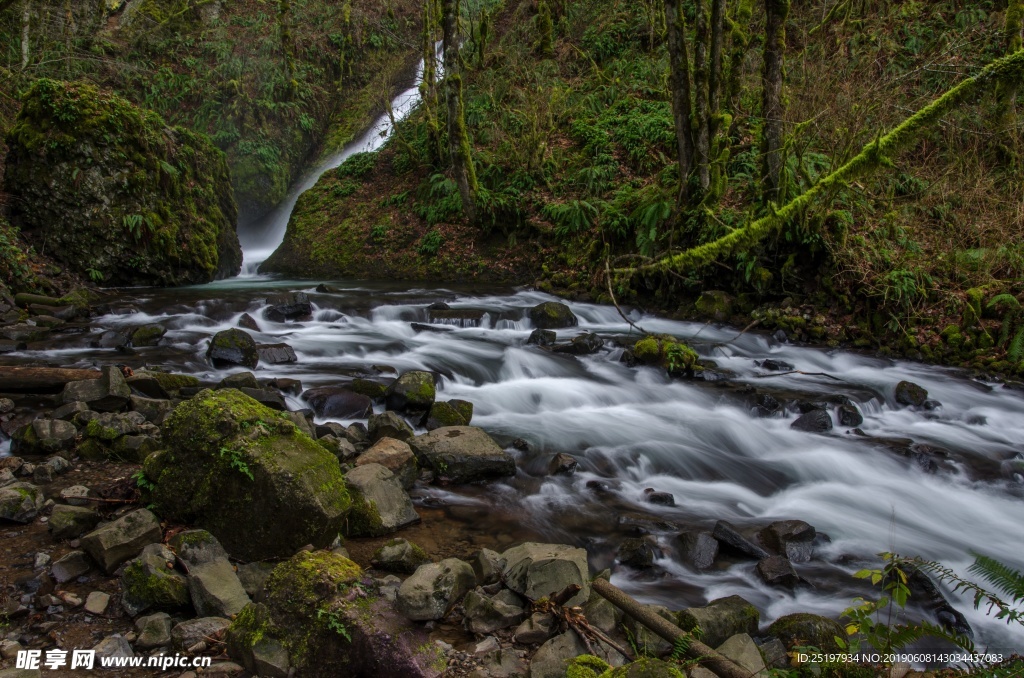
[
  {"x": 463, "y": 454},
  {"x": 193, "y": 631},
  {"x": 389, "y": 425},
  {"x": 720, "y": 619},
  {"x": 379, "y": 504},
  {"x": 247, "y": 475},
  {"x": 553, "y": 657},
  {"x": 486, "y": 614},
  {"x": 20, "y": 502},
  {"x": 216, "y": 590},
  {"x": 122, "y": 539},
  {"x": 68, "y": 522},
  {"x": 338, "y": 403},
  {"x": 44, "y": 436},
  {"x": 538, "y": 570},
  {"x": 432, "y": 591},
  {"x": 399, "y": 555},
  {"x": 109, "y": 393}
]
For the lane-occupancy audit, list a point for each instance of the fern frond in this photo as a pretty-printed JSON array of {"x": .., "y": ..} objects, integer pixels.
[
  {"x": 1016, "y": 348},
  {"x": 1010, "y": 301},
  {"x": 1008, "y": 581}
]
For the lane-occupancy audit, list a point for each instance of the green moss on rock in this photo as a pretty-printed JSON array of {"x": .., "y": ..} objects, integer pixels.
[{"x": 115, "y": 193}]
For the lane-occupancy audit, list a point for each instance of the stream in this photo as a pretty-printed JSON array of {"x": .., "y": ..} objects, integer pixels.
[{"x": 934, "y": 483}]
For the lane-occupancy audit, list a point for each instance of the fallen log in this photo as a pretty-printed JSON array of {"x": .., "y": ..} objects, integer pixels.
[
  {"x": 41, "y": 379},
  {"x": 714, "y": 661}
]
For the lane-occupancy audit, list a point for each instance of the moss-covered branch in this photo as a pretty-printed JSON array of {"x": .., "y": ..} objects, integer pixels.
[{"x": 870, "y": 158}]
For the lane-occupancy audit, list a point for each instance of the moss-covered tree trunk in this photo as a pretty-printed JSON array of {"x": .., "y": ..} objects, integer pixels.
[
  {"x": 458, "y": 138},
  {"x": 717, "y": 76},
  {"x": 428, "y": 86},
  {"x": 545, "y": 30},
  {"x": 739, "y": 39},
  {"x": 681, "y": 100},
  {"x": 701, "y": 112},
  {"x": 772, "y": 105},
  {"x": 26, "y": 24},
  {"x": 1006, "y": 94},
  {"x": 284, "y": 20}
]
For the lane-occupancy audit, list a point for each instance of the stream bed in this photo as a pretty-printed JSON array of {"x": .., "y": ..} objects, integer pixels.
[{"x": 935, "y": 483}]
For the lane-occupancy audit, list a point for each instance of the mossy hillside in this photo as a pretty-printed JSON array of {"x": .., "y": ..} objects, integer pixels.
[
  {"x": 249, "y": 476},
  {"x": 267, "y": 86},
  {"x": 115, "y": 194}
]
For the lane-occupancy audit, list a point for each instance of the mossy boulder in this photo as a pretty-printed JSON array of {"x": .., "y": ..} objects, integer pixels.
[
  {"x": 150, "y": 581},
  {"x": 148, "y": 335},
  {"x": 445, "y": 414},
  {"x": 807, "y": 629},
  {"x": 552, "y": 315},
  {"x": 413, "y": 392},
  {"x": 315, "y": 611},
  {"x": 233, "y": 347},
  {"x": 248, "y": 475},
  {"x": 910, "y": 394},
  {"x": 667, "y": 352},
  {"x": 115, "y": 193},
  {"x": 589, "y": 666},
  {"x": 721, "y": 619},
  {"x": 716, "y": 305}
]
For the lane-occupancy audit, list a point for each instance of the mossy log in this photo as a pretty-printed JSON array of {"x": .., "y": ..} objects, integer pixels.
[{"x": 873, "y": 155}]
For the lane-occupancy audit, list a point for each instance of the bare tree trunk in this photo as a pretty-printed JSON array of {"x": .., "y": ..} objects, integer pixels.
[
  {"x": 702, "y": 140},
  {"x": 26, "y": 22},
  {"x": 458, "y": 139},
  {"x": 772, "y": 107},
  {"x": 680, "y": 82}
]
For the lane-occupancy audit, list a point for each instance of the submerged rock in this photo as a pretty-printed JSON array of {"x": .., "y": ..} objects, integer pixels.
[
  {"x": 910, "y": 394},
  {"x": 104, "y": 183},
  {"x": 815, "y": 421},
  {"x": 247, "y": 475},
  {"x": 552, "y": 315}
]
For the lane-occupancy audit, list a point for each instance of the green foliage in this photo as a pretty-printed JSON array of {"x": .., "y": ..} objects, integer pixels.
[
  {"x": 332, "y": 620},
  {"x": 572, "y": 217},
  {"x": 143, "y": 483},
  {"x": 1007, "y": 581},
  {"x": 356, "y": 166},
  {"x": 236, "y": 459},
  {"x": 1011, "y": 334},
  {"x": 430, "y": 243}
]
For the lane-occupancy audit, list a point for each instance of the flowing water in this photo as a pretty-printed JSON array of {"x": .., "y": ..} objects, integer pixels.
[{"x": 634, "y": 428}]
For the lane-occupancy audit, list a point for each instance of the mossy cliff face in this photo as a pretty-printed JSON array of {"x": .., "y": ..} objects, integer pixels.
[
  {"x": 248, "y": 476},
  {"x": 116, "y": 195}
]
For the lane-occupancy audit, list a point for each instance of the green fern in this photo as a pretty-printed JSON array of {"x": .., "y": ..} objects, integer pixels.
[
  {"x": 1008, "y": 581},
  {"x": 1016, "y": 347},
  {"x": 1008, "y": 300}
]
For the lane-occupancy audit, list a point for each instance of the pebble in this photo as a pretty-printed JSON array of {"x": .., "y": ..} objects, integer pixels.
[
  {"x": 70, "y": 599},
  {"x": 96, "y": 603},
  {"x": 42, "y": 560},
  {"x": 10, "y": 649}
]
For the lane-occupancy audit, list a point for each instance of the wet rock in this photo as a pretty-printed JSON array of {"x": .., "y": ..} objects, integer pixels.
[
  {"x": 815, "y": 421},
  {"x": 807, "y": 630},
  {"x": 247, "y": 322},
  {"x": 216, "y": 590},
  {"x": 413, "y": 392},
  {"x": 150, "y": 581},
  {"x": 542, "y": 338},
  {"x": 71, "y": 566},
  {"x": 743, "y": 651},
  {"x": 399, "y": 555},
  {"x": 778, "y": 571},
  {"x": 585, "y": 344},
  {"x": 485, "y": 614},
  {"x": 339, "y": 447},
  {"x": 109, "y": 393},
  {"x": 488, "y": 566},
  {"x": 767, "y": 405},
  {"x": 233, "y": 347},
  {"x": 189, "y": 633},
  {"x": 432, "y": 591},
  {"x": 20, "y": 502},
  {"x": 154, "y": 631},
  {"x": 538, "y": 570},
  {"x": 721, "y": 619},
  {"x": 637, "y": 553},
  {"x": 239, "y": 380},
  {"x": 68, "y": 522},
  {"x": 537, "y": 629},
  {"x": 44, "y": 436},
  {"x": 295, "y": 306},
  {"x": 651, "y": 496},
  {"x": 552, "y": 658},
  {"x": 910, "y": 394},
  {"x": 849, "y": 415},
  {"x": 122, "y": 539},
  {"x": 271, "y": 499},
  {"x": 552, "y": 315},
  {"x": 338, "y": 403},
  {"x": 793, "y": 539},
  {"x": 698, "y": 549},
  {"x": 148, "y": 335},
  {"x": 111, "y": 339},
  {"x": 373, "y": 390},
  {"x": 715, "y": 304},
  {"x": 463, "y": 454},
  {"x": 444, "y": 414},
  {"x": 562, "y": 464},
  {"x": 395, "y": 456},
  {"x": 379, "y": 504},
  {"x": 267, "y": 398},
  {"x": 388, "y": 425},
  {"x": 730, "y": 539},
  {"x": 773, "y": 365},
  {"x": 276, "y": 354}
]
